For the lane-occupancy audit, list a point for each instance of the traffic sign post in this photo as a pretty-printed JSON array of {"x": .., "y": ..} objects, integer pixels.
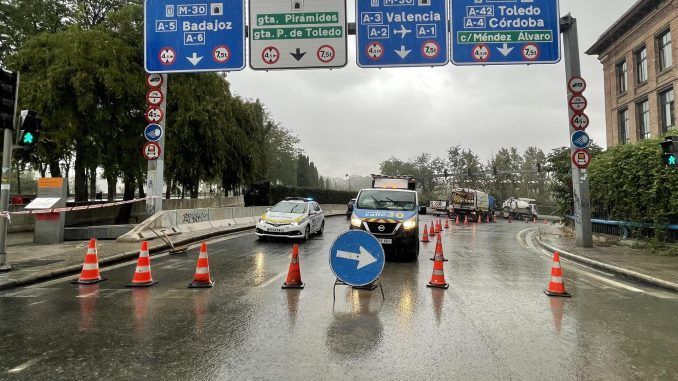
[
  {"x": 297, "y": 34},
  {"x": 491, "y": 32},
  {"x": 357, "y": 258},
  {"x": 401, "y": 33},
  {"x": 184, "y": 36},
  {"x": 154, "y": 149}
]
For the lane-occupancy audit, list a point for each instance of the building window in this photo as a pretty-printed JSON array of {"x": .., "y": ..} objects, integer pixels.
[
  {"x": 667, "y": 109},
  {"x": 665, "y": 53},
  {"x": 622, "y": 84},
  {"x": 641, "y": 65},
  {"x": 624, "y": 136},
  {"x": 644, "y": 119}
]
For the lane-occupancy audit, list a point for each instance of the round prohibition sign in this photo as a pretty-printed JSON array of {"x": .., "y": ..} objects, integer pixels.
[
  {"x": 576, "y": 85},
  {"x": 154, "y": 97},
  {"x": 326, "y": 54},
  {"x": 578, "y": 103},
  {"x": 430, "y": 49},
  {"x": 579, "y": 122},
  {"x": 154, "y": 80},
  {"x": 153, "y": 115},
  {"x": 167, "y": 56},
  {"x": 221, "y": 54},
  {"x": 374, "y": 50},
  {"x": 151, "y": 150},
  {"x": 481, "y": 53},
  {"x": 581, "y": 158},
  {"x": 270, "y": 55},
  {"x": 530, "y": 52}
]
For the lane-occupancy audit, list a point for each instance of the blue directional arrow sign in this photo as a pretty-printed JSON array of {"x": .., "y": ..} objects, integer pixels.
[
  {"x": 357, "y": 258},
  {"x": 580, "y": 139},
  {"x": 505, "y": 32},
  {"x": 194, "y": 35},
  {"x": 153, "y": 132},
  {"x": 401, "y": 33}
]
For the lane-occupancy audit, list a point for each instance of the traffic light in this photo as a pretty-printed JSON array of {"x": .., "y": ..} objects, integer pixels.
[
  {"x": 8, "y": 89},
  {"x": 29, "y": 128},
  {"x": 670, "y": 148}
]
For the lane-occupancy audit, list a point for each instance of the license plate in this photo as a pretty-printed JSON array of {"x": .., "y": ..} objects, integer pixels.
[
  {"x": 275, "y": 230},
  {"x": 385, "y": 241}
]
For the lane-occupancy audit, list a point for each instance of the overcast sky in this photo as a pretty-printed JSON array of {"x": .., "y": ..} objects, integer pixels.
[{"x": 351, "y": 119}]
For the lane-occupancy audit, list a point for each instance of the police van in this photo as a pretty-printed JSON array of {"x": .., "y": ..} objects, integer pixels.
[{"x": 390, "y": 211}]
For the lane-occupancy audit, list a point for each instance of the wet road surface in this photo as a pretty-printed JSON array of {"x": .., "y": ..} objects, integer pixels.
[{"x": 494, "y": 322}]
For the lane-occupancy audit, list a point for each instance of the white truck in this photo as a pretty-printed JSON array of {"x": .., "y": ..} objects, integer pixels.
[
  {"x": 519, "y": 208},
  {"x": 439, "y": 207},
  {"x": 470, "y": 202}
]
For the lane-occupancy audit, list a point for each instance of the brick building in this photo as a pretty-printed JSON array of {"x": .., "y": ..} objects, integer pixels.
[{"x": 640, "y": 69}]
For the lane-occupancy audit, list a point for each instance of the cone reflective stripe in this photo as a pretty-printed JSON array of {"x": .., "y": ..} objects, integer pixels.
[
  {"x": 142, "y": 274},
  {"x": 439, "y": 250},
  {"x": 556, "y": 286},
  {"x": 424, "y": 236},
  {"x": 447, "y": 223},
  {"x": 202, "y": 278},
  {"x": 438, "y": 276},
  {"x": 432, "y": 232},
  {"x": 90, "y": 268},
  {"x": 294, "y": 273}
]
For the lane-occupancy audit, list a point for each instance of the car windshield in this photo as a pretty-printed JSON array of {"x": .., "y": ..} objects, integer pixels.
[
  {"x": 290, "y": 207},
  {"x": 386, "y": 200}
]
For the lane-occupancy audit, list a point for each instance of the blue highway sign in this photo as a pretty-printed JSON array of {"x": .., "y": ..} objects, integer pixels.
[
  {"x": 153, "y": 132},
  {"x": 194, "y": 35},
  {"x": 505, "y": 32},
  {"x": 401, "y": 33},
  {"x": 580, "y": 139},
  {"x": 357, "y": 258}
]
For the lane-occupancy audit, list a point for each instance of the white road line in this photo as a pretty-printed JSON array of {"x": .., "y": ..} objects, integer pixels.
[
  {"x": 25, "y": 365},
  {"x": 272, "y": 279},
  {"x": 42, "y": 301}
]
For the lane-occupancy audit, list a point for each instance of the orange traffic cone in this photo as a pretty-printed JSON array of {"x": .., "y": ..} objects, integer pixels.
[
  {"x": 546, "y": 222},
  {"x": 294, "y": 273},
  {"x": 447, "y": 223},
  {"x": 202, "y": 278},
  {"x": 509, "y": 218},
  {"x": 432, "y": 232},
  {"x": 142, "y": 275},
  {"x": 556, "y": 285},
  {"x": 488, "y": 219},
  {"x": 534, "y": 219},
  {"x": 90, "y": 269},
  {"x": 438, "y": 276},
  {"x": 480, "y": 219},
  {"x": 424, "y": 236},
  {"x": 439, "y": 250},
  {"x": 438, "y": 228},
  {"x": 494, "y": 219},
  {"x": 466, "y": 219},
  {"x": 456, "y": 220}
]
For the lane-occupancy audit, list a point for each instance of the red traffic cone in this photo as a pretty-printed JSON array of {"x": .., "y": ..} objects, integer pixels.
[
  {"x": 488, "y": 219},
  {"x": 447, "y": 223},
  {"x": 294, "y": 273},
  {"x": 466, "y": 219},
  {"x": 439, "y": 250},
  {"x": 456, "y": 220},
  {"x": 437, "y": 228},
  {"x": 546, "y": 222},
  {"x": 142, "y": 274},
  {"x": 556, "y": 285},
  {"x": 202, "y": 278},
  {"x": 424, "y": 236},
  {"x": 438, "y": 276},
  {"x": 494, "y": 219},
  {"x": 480, "y": 219},
  {"x": 90, "y": 268},
  {"x": 432, "y": 231},
  {"x": 534, "y": 219},
  {"x": 509, "y": 218}
]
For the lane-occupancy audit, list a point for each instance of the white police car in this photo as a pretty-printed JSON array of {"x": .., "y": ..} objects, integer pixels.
[{"x": 295, "y": 217}]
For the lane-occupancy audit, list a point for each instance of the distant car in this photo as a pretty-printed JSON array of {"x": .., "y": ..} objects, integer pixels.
[
  {"x": 349, "y": 207},
  {"x": 295, "y": 217}
]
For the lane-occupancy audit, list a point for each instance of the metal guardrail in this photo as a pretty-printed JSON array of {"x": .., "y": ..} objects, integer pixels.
[{"x": 623, "y": 228}]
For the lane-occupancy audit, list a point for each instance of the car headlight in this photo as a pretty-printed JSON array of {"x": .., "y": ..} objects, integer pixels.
[
  {"x": 356, "y": 222},
  {"x": 409, "y": 224},
  {"x": 297, "y": 223}
]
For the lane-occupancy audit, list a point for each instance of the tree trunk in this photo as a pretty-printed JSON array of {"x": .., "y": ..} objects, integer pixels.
[
  {"x": 43, "y": 170},
  {"x": 18, "y": 179},
  {"x": 194, "y": 191},
  {"x": 126, "y": 210},
  {"x": 140, "y": 185},
  {"x": 80, "y": 178},
  {"x": 168, "y": 192},
  {"x": 93, "y": 181},
  {"x": 112, "y": 182},
  {"x": 54, "y": 168}
]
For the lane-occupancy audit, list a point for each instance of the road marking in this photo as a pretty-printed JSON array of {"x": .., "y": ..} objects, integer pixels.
[
  {"x": 34, "y": 303},
  {"x": 272, "y": 279},
  {"x": 88, "y": 295},
  {"x": 25, "y": 365}
]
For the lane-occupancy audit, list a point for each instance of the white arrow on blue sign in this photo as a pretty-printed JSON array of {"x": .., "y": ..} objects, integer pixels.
[
  {"x": 189, "y": 36},
  {"x": 357, "y": 258},
  {"x": 505, "y": 32},
  {"x": 393, "y": 33}
]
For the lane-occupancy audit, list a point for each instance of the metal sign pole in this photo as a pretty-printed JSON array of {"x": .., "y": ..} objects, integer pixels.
[
  {"x": 580, "y": 181},
  {"x": 7, "y": 146},
  {"x": 155, "y": 178}
]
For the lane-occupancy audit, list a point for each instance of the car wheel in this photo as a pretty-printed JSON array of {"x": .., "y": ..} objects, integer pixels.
[
  {"x": 307, "y": 232},
  {"x": 322, "y": 228}
]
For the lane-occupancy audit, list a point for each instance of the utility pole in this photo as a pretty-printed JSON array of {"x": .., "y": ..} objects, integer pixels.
[
  {"x": 8, "y": 145},
  {"x": 580, "y": 180}
]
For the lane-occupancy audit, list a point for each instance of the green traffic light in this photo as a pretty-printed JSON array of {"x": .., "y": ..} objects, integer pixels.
[
  {"x": 28, "y": 138},
  {"x": 672, "y": 160}
]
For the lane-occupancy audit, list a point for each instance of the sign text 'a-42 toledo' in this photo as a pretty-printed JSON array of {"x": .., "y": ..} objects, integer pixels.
[{"x": 504, "y": 32}]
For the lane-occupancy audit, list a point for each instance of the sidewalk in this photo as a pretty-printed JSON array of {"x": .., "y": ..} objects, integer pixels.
[
  {"x": 35, "y": 262},
  {"x": 638, "y": 265}
]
